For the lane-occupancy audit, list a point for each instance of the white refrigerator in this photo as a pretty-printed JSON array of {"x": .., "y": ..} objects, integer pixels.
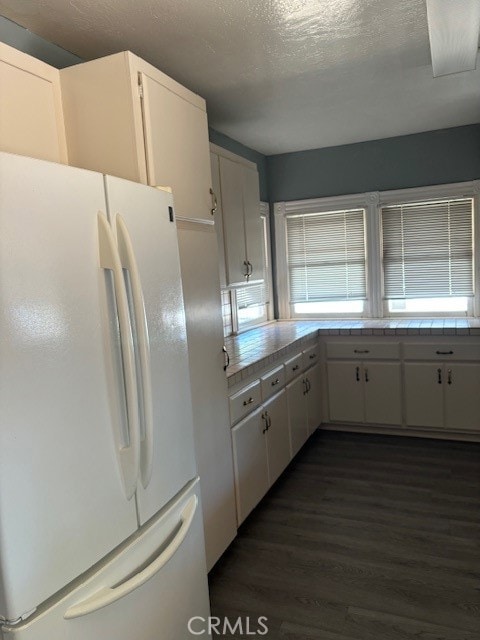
[{"x": 101, "y": 532}]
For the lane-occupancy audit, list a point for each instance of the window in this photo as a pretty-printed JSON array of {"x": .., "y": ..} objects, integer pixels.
[
  {"x": 428, "y": 257},
  {"x": 326, "y": 262},
  {"x": 252, "y": 302}
]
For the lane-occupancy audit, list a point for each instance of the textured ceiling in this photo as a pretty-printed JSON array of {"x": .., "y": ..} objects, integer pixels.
[{"x": 278, "y": 75}]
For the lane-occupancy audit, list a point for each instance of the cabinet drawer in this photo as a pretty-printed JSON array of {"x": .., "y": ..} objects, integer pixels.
[
  {"x": 443, "y": 352},
  {"x": 273, "y": 381},
  {"x": 363, "y": 350},
  {"x": 293, "y": 367},
  {"x": 244, "y": 401},
  {"x": 311, "y": 356}
]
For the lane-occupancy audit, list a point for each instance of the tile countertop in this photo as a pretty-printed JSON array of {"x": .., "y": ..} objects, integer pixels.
[{"x": 252, "y": 350}]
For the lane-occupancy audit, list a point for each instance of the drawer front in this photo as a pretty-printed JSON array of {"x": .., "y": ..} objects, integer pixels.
[
  {"x": 311, "y": 356},
  {"x": 443, "y": 352},
  {"x": 273, "y": 381},
  {"x": 293, "y": 367},
  {"x": 363, "y": 350},
  {"x": 245, "y": 401}
]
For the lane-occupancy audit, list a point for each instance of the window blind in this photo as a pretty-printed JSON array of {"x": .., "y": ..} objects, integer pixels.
[
  {"x": 326, "y": 256},
  {"x": 251, "y": 295},
  {"x": 427, "y": 249}
]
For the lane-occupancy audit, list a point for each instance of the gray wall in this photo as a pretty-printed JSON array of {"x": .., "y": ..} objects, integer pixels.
[{"x": 435, "y": 157}]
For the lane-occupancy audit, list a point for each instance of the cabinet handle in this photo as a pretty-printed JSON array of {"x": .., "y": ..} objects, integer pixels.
[
  {"x": 439, "y": 379},
  {"x": 309, "y": 386},
  {"x": 268, "y": 422},
  {"x": 361, "y": 351},
  {"x": 357, "y": 374},
  {"x": 295, "y": 367},
  {"x": 444, "y": 353},
  {"x": 367, "y": 379},
  {"x": 275, "y": 382},
  {"x": 247, "y": 402},
  {"x": 247, "y": 273},
  {"x": 304, "y": 386},
  {"x": 251, "y": 268},
  {"x": 449, "y": 378},
  {"x": 214, "y": 202},
  {"x": 312, "y": 356},
  {"x": 227, "y": 358}
]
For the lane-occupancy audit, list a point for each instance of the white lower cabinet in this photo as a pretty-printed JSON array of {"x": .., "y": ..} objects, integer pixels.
[
  {"x": 314, "y": 398},
  {"x": 297, "y": 414},
  {"x": 367, "y": 392},
  {"x": 261, "y": 451},
  {"x": 250, "y": 462},
  {"x": 443, "y": 395}
]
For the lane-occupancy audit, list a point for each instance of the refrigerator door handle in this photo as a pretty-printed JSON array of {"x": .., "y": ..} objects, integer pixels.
[
  {"x": 127, "y": 258},
  {"x": 107, "y": 595},
  {"x": 129, "y": 456}
]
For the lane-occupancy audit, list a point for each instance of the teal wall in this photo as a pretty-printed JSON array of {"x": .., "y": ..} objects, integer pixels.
[{"x": 434, "y": 157}]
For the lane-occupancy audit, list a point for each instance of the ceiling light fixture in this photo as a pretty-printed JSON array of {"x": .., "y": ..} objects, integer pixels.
[{"x": 453, "y": 27}]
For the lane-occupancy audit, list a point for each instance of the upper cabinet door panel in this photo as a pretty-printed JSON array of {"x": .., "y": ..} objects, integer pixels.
[
  {"x": 231, "y": 178},
  {"x": 253, "y": 224},
  {"x": 215, "y": 168},
  {"x": 178, "y": 155},
  {"x": 31, "y": 119}
]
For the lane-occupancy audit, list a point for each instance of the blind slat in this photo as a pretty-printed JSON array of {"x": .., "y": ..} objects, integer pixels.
[
  {"x": 326, "y": 256},
  {"x": 427, "y": 249}
]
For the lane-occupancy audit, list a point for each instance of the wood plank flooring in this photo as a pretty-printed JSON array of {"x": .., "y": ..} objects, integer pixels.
[{"x": 364, "y": 537}]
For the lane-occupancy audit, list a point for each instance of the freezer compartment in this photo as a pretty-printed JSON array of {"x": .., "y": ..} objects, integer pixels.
[{"x": 149, "y": 590}]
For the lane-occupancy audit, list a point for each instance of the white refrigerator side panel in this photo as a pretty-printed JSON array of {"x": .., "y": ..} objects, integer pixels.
[
  {"x": 161, "y": 607},
  {"x": 62, "y": 506},
  {"x": 145, "y": 211}
]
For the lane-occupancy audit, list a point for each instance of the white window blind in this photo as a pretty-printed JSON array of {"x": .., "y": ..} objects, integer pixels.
[
  {"x": 252, "y": 295},
  {"x": 427, "y": 249},
  {"x": 326, "y": 256}
]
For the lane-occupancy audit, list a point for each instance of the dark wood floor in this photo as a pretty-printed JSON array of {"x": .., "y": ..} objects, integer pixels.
[{"x": 363, "y": 538}]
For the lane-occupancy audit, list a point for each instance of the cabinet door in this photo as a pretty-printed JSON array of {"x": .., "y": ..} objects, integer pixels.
[
  {"x": 213, "y": 446},
  {"x": 382, "y": 392},
  {"x": 278, "y": 441},
  {"x": 253, "y": 224},
  {"x": 231, "y": 179},
  {"x": 314, "y": 398},
  {"x": 31, "y": 118},
  {"x": 424, "y": 384},
  {"x": 178, "y": 154},
  {"x": 345, "y": 391},
  {"x": 462, "y": 397},
  {"x": 215, "y": 168},
  {"x": 297, "y": 414},
  {"x": 250, "y": 462}
]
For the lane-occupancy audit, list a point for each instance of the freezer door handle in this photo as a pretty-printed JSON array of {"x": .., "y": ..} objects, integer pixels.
[
  {"x": 128, "y": 454},
  {"x": 129, "y": 263},
  {"x": 107, "y": 595}
]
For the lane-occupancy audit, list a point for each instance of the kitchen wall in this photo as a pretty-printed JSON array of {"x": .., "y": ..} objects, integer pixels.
[{"x": 434, "y": 157}]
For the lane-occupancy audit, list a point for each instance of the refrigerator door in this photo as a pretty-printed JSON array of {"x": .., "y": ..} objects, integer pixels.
[
  {"x": 142, "y": 218},
  {"x": 150, "y": 589},
  {"x": 62, "y": 498}
]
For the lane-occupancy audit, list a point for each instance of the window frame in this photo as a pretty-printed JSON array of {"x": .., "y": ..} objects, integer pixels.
[{"x": 375, "y": 305}]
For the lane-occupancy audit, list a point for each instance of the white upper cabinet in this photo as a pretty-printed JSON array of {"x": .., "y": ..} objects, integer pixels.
[
  {"x": 239, "y": 225},
  {"x": 126, "y": 118},
  {"x": 31, "y": 115}
]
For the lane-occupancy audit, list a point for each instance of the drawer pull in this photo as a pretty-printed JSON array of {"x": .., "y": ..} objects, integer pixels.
[
  {"x": 361, "y": 351},
  {"x": 439, "y": 379},
  {"x": 247, "y": 402},
  {"x": 275, "y": 382},
  {"x": 449, "y": 379},
  {"x": 295, "y": 367},
  {"x": 312, "y": 356},
  {"x": 444, "y": 353}
]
